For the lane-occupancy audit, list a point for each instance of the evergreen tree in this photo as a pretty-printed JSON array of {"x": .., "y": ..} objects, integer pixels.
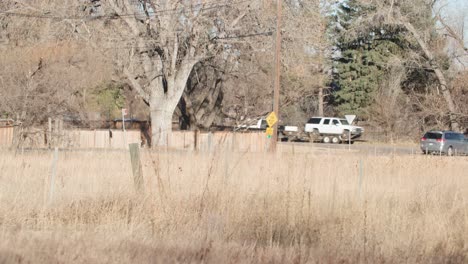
[{"x": 361, "y": 58}]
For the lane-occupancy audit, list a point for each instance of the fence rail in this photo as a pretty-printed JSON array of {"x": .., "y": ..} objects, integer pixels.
[
  {"x": 6, "y": 136},
  {"x": 209, "y": 141},
  {"x": 73, "y": 139},
  {"x": 116, "y": 139},
  {"x": 98, "y": 139}
]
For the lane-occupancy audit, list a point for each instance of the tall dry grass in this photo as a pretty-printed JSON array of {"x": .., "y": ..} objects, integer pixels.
[{"x": 234, "y": 208}]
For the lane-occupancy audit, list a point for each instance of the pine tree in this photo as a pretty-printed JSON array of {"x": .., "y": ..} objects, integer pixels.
[{"x": 361, "y": 58}]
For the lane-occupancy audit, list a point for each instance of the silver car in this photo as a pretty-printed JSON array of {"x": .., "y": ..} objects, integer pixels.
[{"x": 444, "y": 142}]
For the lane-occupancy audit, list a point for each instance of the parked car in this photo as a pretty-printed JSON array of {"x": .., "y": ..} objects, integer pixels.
[
  {"x": 331, "y": 129},
  {"x": 444, "y": 142}
]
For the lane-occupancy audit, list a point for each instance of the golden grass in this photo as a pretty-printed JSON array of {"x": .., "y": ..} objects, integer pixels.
[{"x": 234, "y": 208}]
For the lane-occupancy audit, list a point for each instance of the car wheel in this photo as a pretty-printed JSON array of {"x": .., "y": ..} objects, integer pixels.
[
  {"x": 335, "y": 140},
  {"x": 450, "y": 151},
  {"x": 326, "y": 139}
]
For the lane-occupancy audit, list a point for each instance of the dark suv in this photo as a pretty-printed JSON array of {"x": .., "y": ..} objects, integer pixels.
[{"x": 444, "y": 142}]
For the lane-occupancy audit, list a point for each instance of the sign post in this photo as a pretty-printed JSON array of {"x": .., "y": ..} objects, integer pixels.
[
  {"x": 136, "y": 167},
  {"x": 271, "y": 119},
  {"x": 124, "y": 113},
  {"x": 350, "y": 119},
  {"x": 277, "y": 83},
  {"x": 269, "y": 132}
]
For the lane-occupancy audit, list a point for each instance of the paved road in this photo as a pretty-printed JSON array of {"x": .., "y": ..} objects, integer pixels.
[
  {"x": 362, "y": 148},
  {"x": 304, "y": 147}
]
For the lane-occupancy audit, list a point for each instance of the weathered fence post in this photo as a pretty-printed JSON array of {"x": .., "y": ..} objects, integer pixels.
[
  {"x": 53, "y": 172},
  {"x": 13, "y": 144},
  {"x": 136, "y": 167},
  {"x": 210, "y": 141},
  {"x": 60, "y": 133},
  {"x": 49, "y": 134},
  {"x": 56, "y": 132},
  {"x": 195, "y": 140},
  {"x": 233, "y": 142}
]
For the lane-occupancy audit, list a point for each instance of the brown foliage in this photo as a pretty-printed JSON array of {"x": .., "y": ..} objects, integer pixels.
[
  {"x": 47, "y": 80},
  {"x": 45, "y": 70},
  {"x": 460, "y": 91}
]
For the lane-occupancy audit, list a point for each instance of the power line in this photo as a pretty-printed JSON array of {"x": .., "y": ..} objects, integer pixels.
[
  {"x": 268, "y": 33},
  {"x": 204, "y": 7},
  {"x": 150, "y": 41},
  {"x": 139, "y": 3}
]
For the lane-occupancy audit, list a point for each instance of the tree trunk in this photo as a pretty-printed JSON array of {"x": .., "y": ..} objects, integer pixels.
[
  {"x": 201, "y": 99},
  {"x": 439, "y": 74},
  {"x": 448, "y": 98},
  {"x": 161, "y": 125},
  {"x": 163, "y": 104},
  {"x": 320, "y": 101}
]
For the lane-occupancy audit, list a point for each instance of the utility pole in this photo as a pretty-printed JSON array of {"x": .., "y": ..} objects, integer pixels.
[
  {"x": 276, "y": 93},
  {"x": 320, "y": 92}
]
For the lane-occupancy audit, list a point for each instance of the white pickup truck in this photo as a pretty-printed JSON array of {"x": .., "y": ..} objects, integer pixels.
[
  {"x": 259, "y": 124},
  {"x": 332, "y": 129},
  {"x": 285, "y": 133}
]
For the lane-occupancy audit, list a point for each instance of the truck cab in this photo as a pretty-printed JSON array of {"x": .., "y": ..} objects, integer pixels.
[{"x": 332, "y": 129}]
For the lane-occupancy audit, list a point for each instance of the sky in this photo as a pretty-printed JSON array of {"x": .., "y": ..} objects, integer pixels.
[
  {"x": 456, "y": 9},
  {"x": 454, "y": 12},
  {"x": 458, "y": 3}
]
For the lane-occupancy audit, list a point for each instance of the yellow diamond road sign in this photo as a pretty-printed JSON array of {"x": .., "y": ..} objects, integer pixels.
[
  {"x": 269, "y": 132},
  {"x": 271, "y": 119}
]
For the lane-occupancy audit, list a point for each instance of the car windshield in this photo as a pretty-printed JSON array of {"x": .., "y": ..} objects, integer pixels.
[
  {"x": 433, "y": 135},
  {"x": 344, "y": 122}
]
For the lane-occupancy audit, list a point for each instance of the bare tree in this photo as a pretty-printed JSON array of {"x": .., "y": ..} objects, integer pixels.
[
  {"x": 438, "y": 72},
  {"x": 164, "y": 41},
  {"x": 453, "y": 26},
  {"x": 304, "y": 59},
  {"x": 302, "y": 64},
  {"x": 416, "y": 18},
  {"x": 201, "y": 102},
  {"x": 455, "y": 29},
  {"x": 157, "y": 44},
  {"x": 44, "y": 71},
  {"x": 44, "y": 81}
]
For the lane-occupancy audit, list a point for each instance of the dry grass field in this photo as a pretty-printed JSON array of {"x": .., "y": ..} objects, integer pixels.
[{"x": 234, "y": 208}]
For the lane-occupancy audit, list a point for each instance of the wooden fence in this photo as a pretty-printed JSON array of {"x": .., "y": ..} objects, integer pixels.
[
  {"x": 210, "y": 141},
  {"x": 115, "y": 139},
  {"x": 99, "y": 139},
  {"x": 71, "y": 139},
  {"x": 6, "y": 136}
]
